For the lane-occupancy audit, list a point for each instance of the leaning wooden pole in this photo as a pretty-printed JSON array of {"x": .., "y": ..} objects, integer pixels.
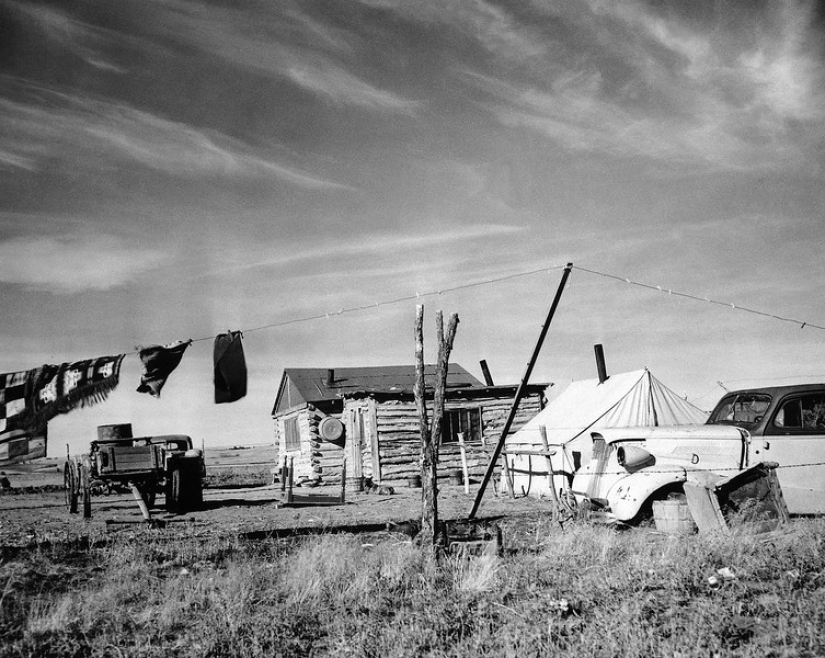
[{"x": 520, "y": 392}]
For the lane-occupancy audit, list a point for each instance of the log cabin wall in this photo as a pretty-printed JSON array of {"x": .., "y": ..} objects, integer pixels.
[
  {"x": 389, "y": 434},
  {"x": 315, "y": 459},
  {"x": 392, "y": 435}
]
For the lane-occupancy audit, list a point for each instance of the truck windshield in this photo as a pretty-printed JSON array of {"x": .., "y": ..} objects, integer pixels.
[{"x": 741, "y": 409}]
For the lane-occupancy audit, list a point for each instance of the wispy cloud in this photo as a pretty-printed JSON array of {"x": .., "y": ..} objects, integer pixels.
[
  {"x": 91, "y": 134},
  {"x": 343, "y": 87},
  {"x": 378, "y": 245},
  {"x": 627, "y": 78},
  {"x": 574, "y": 116},
  {"x": 70, "y": 264},
  {"x": 10, "y": 160},
  {"x": 81, "y": 39},
  {"x": 275, "y": 42}
]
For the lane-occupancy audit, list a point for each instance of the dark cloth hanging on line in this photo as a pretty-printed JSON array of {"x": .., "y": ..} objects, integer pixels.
[
  {"x": 230, "y": 367},
  {"x": 158, "y": 363}
]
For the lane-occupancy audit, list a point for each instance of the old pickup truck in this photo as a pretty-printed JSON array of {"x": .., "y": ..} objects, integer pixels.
[
  {"x": 633, "y": 467},
  {"x": 165, "y": 463}
]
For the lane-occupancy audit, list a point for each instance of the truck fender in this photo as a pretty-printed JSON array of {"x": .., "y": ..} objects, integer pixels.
[{"x": 627, "y": 496}]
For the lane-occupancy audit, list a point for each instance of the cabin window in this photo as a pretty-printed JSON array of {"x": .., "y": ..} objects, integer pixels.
[
  {"x": 466, "y": 421},
  {"x": 292, "y": 437}
]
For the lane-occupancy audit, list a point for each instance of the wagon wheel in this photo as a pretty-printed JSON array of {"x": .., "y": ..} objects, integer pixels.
[{"x": 70, "y": 487}]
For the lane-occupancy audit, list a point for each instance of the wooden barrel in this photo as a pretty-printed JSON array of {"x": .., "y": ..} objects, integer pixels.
[{"x": 118, "y": 431}]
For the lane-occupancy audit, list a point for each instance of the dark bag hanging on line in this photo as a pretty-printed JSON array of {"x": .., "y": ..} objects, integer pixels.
[{"x": 230, "y": 367}]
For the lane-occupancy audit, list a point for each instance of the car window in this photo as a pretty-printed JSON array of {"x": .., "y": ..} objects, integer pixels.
[
  {"x": 741, "y": 408},
  {"x": 802, "y": 413}
]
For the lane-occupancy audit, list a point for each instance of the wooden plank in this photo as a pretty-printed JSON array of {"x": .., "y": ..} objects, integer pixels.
[
  {"x": 704, "y": 508},
  {"x": 372, "y": 430},
  {"x": 546, "y": 448},
  {"x": 464, "y": 466}
]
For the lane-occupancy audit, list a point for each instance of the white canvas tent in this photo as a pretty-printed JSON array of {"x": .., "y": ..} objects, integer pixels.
[{"x": 631, "y": 399}]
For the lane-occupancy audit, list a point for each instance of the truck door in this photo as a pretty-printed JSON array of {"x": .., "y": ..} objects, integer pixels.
[{"x": 795, "y": 438}]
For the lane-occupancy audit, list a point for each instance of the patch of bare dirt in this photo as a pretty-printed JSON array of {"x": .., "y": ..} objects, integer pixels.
[{"x": 28, "y": 517}]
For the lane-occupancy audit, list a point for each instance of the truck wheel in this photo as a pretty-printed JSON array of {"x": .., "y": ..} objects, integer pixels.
[
  {"x": 193, "y": 484},
  {"x": 70, "y": 488},
  {"x": 173, "y": 491}
]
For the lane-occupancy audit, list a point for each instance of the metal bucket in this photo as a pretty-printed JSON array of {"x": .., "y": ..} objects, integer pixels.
[{"x": 414, "y": 482}]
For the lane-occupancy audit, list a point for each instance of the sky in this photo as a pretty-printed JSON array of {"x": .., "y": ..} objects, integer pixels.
[{"x": 173, "y": 169}]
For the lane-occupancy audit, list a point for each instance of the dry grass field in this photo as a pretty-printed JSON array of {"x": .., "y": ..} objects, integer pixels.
[{"x": 229, "y": 580}]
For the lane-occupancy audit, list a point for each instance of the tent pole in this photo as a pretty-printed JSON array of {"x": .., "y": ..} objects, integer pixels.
[{"x": 520, "y": 391}]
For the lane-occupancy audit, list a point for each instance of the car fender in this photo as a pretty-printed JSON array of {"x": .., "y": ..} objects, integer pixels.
[{"x": 627, "y": 496}]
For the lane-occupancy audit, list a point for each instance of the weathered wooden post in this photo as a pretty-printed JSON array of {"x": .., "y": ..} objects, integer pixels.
[
  {"x": 508, "y": 478},
  {"x": 550, "y": 475},
  {"x": 344, "y": 478},
  {"x": 430, "y": 436},
  {"x": 429, "y": 502},
  {"x": 86, "y": 490},
  {"x": 290, "y": 476}
]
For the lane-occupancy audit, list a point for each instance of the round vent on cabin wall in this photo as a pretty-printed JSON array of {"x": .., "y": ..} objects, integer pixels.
[{"x": 331, "y": 429}]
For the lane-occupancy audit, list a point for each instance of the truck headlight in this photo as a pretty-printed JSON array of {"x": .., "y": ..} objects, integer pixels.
[{"x": 633, "y": 458}]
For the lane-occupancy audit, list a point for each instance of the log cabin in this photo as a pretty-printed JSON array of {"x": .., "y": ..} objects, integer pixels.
[{"x": 368, "y": 416}]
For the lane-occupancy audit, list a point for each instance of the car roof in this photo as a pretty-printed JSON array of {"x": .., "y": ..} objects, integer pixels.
[{"x": 778, "y": 391}]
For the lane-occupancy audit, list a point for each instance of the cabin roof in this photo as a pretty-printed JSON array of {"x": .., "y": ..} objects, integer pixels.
[{"x": 312, "y": 385}]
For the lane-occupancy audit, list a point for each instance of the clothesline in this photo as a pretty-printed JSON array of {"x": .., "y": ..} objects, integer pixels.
[
  {"x": 397, "y": 300},
  {"x": 491, "y": 281},
  {"x": 30, "y": 398}
]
